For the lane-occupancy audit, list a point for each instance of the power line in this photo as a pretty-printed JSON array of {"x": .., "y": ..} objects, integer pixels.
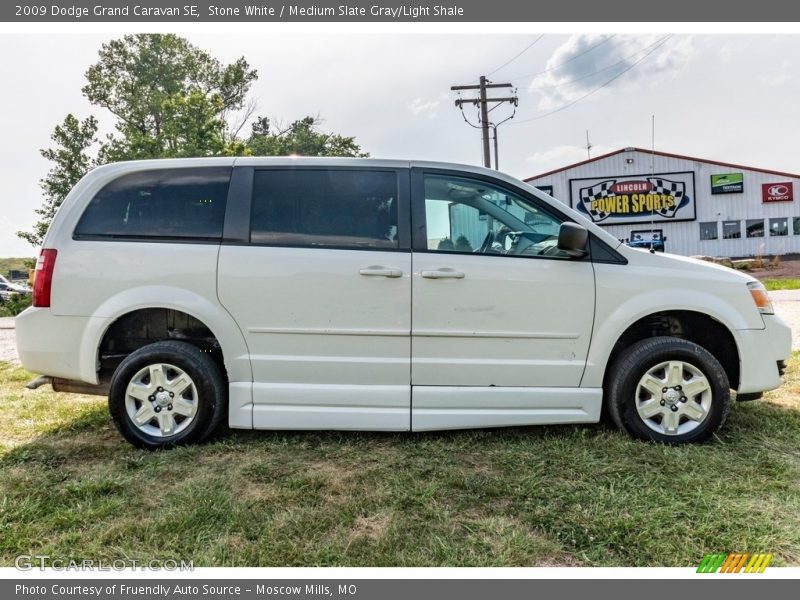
[
  {"x": 603, "y": 70},
  {"x": 516, "y": 56},
  {"x": 595, "y": 90},
  {"x": 566, "y": 62}
]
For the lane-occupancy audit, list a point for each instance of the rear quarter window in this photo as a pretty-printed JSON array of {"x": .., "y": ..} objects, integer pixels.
[{"x": 178, "y": 204}]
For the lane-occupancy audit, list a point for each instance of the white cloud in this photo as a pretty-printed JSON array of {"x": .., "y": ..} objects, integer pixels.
[
  {"x": 777, "y": 75},
  {"x": 420, "y": 107},
  {"x": 560, "y": 156},
  {"x": 366, "y": 86},
  {"x": 586, "y": 62}
]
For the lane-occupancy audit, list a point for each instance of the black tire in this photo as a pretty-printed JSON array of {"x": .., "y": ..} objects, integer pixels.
[
  {"x": 625, "y": 373},
  {"x": 212, "y": 392}
]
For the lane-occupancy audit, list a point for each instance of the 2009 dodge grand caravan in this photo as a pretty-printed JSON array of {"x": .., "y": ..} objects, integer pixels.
[{"x": 379, "y": 295}]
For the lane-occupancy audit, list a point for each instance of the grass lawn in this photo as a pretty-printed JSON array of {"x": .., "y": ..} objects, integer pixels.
[
  {"x": 781, "y": 284},
  {"x": 70, "y": 487}
]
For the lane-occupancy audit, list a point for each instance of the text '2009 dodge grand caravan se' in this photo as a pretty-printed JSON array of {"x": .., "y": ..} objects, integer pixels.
[{"x": 378, "y": 295}]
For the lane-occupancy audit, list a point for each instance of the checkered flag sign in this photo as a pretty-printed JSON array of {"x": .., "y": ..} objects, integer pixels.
[
  {"x": 597, "y": 192},
  {"x": 659, "y": 186},
  {"x": 676, "y": 189}
]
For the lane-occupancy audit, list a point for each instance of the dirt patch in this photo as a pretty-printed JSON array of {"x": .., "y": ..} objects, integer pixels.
[
  {"x": 331, "y": 471},
  {"x": 371, "y": 528},
  {"x": 788, "y": 267}
]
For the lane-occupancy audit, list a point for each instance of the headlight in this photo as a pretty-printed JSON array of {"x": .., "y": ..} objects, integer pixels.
[{"x": 760, "y": 297}]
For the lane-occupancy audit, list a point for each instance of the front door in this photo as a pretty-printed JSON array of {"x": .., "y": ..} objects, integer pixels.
[
  {"x": 322, "y": 294},
  {"x": 501, "y": 318}
]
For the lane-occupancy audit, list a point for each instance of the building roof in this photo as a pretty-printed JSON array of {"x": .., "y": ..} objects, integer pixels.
[{"x": 667, "y": 154}]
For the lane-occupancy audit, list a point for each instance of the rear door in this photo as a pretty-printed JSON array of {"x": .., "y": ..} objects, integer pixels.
[
  {"x": 319, "y": 281},
  {"x": 501, "y": 318}
]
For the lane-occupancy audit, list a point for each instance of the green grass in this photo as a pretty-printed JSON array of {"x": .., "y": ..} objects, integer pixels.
[
  {"x": 781, "y": 284},
  {"x": 71, "y": 488}
]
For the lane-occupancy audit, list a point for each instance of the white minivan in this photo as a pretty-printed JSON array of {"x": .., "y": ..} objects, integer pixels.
[{"x": 387, "y": 295}]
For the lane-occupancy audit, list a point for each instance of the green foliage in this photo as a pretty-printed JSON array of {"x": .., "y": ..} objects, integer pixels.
[
  {"x": 14, "y": 305},
  {"x": 70, "y": 161},
  {"x": 791, "y": 283},
  {"x": 446, "y": 244},
  {"x": 462, "y": 244},
  {"x": 303, "y": 138},
  {"x": 169, "y": 99},
  {"x": 16, "y": 264}
]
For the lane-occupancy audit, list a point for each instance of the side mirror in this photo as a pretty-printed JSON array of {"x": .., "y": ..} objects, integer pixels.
[{"x": 573, "y": 239}]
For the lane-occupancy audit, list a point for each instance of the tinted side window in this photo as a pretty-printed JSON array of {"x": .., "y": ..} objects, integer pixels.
[
  {"x": 470, "y": 215},
  {"x": 184, "y": 203},
  {"x": 325, "y": 207}
]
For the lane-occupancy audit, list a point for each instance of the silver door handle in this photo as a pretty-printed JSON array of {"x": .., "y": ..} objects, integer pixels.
[
  {"x": 443, "y": 274},
  {"x": 377, "y": 271}
]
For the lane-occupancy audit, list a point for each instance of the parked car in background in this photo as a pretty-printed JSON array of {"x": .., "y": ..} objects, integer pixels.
[
  {"x": 360, "y": 294},
  {"x": 656, "y": 245},
  {"x": 9, "y": 289}
]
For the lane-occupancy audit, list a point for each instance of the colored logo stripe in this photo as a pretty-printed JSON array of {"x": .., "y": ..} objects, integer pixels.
[{"x": 734, "y": 563}]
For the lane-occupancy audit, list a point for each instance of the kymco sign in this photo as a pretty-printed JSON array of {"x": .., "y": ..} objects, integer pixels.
[{"x": 777, "y": 192}]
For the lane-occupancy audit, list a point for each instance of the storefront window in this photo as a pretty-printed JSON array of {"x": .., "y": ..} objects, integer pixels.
[
  {"x": 778, "y": 227},
  {"x": 755, "y": 228},
  {"x": 797, "y": 225},
  {"x": 708, "y": 231},
  {"x": 731, "y": 230}
]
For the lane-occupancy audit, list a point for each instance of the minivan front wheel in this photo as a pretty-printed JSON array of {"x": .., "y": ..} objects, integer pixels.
[
  {"x": 167, "y": 394},
  {"x": 668, "y": 390}
]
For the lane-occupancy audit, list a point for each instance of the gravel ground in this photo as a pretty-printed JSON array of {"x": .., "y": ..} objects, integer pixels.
[
  {"x": 787, "y": 305},
  {"x": 8, "y": 344}
]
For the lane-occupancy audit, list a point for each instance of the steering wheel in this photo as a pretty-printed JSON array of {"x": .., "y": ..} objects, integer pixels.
[{"x": 520, "y": 243}]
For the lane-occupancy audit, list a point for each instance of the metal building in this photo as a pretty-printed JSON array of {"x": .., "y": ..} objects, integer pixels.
[{"x": 690, "y": 205}]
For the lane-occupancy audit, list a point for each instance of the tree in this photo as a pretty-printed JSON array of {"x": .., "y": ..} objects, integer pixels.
[
  {"x": 462, "y": 244},
  {"x": 302, "y": 137},
  {"x": 71, "y": 161},
  {"x": 168, "y": 99}
]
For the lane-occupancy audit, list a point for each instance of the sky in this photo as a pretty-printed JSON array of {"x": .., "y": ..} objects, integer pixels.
[{"x": 732, "y": 98}]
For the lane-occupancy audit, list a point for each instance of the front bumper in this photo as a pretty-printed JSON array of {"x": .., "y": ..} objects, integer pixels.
[{"x": 760, "y": 352}]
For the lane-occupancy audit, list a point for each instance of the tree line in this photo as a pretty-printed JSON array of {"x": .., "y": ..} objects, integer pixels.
[{"x": 169, "y": 99}]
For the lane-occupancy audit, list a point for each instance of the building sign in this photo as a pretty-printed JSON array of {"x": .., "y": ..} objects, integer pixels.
[
  {"x": 777, "y": 192},
  {"x": 635, "y": 198},
  {"x": 547, "y": 189},
  {"x": 727, "y": 183}
]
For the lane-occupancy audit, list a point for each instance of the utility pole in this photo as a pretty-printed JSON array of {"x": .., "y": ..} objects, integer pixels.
[
  {"x": 496, "y": 153},
  {"x": 482, "y": 102},
  {"x": 588, "y": 145}
]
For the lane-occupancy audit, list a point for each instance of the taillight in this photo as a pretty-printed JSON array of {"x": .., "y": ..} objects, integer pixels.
[{"x": 43, "y": 277}]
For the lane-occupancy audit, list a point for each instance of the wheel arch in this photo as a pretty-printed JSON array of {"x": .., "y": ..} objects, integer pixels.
[
  {"x": 695, "y": 326},
  {"x": 212, "y": 316}
]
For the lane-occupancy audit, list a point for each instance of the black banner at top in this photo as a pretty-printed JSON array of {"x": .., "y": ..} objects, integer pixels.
[{"x": 452, "y": 11}]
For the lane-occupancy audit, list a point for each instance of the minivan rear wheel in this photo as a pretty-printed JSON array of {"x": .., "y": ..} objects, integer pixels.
[
  {"x": 167, "y": 394},
  {"x": 669, "y": 390}
]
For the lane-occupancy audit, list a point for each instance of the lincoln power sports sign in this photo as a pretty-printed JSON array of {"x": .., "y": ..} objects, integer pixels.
[{"x": 623, "y": 199}]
